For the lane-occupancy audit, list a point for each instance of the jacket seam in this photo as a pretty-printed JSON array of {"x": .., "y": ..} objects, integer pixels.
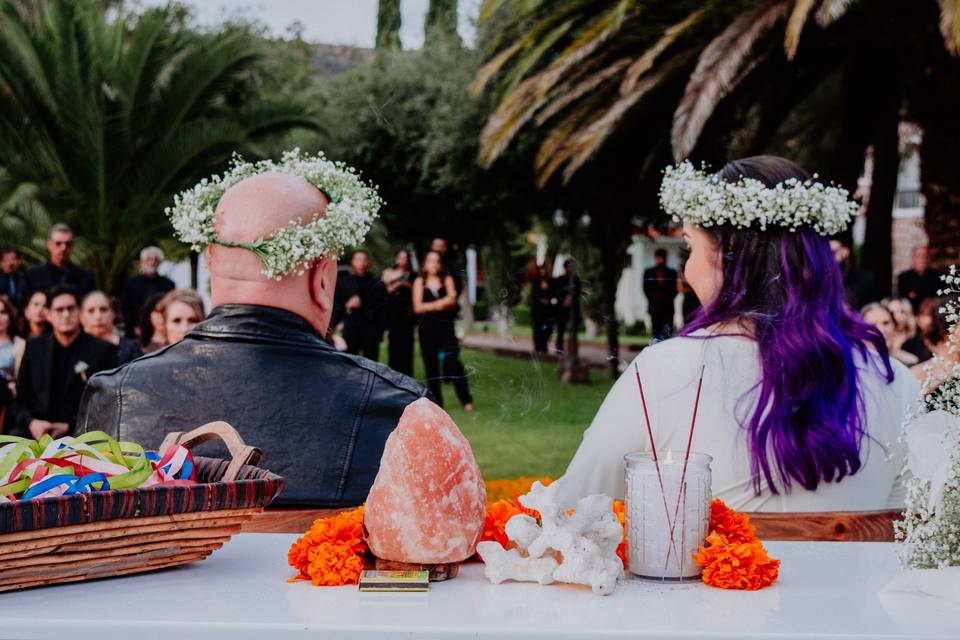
[{"x": 358, "y": 421}]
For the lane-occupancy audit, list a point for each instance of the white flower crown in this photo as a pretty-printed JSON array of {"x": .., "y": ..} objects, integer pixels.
[
  {"x": 351, "y": 211},
  {"x": 694, "y": 195}
]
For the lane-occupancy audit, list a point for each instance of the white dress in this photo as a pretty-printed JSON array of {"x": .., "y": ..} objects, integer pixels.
[{"x": 670, "y": 371}]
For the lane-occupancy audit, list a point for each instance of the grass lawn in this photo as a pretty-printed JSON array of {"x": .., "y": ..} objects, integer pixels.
[{"x": 525, "y": 423}]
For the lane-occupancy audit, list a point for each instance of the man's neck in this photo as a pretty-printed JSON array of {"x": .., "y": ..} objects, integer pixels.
[
  {"x": 66, "y": 339},
  {"x": 61, "y": 265}
]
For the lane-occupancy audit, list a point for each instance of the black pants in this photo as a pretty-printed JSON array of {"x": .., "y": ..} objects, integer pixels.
[
  {"x": 363, "y": 340},
  {"x": 542, "y": 328},
  {"x": 400, "y": 347},
  {"x": 437, "y": 352},
  {"x": 662, "y": 322}
]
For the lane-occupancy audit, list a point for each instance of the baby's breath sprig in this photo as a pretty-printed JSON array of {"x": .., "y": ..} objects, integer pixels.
[
  {"x": 691, "y": 194},
  {"x": 351, "y": 211}
]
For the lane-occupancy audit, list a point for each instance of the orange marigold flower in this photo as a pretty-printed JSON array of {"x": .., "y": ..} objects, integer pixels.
[
  {"x": 495, "y": 522},
  {"x": 736, "y": 565},
  {"x": 730, "y": 524},
  {"x": 507, "y": 488},
  {"x": 620, "y": 512},
  {"x": 331, "y": 551}
]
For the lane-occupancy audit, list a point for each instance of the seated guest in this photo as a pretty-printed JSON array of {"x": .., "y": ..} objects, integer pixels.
[
  {"x": 98, "y": 317},
  {"x": 138, "y": 288},
  {"x": 182, "y": 310},
  {"x": 11, "y": 354},
  {"x": 35, "y": 315},
  {"x": 800, "y": 404},
  {"x": 883, "y": 319},
  {"x": 259, "y": 361},
  {"x": 936, "y": 338},
  {"x": 151, "y": 330},
  {"x": 59, "y": 269},
  {"x": 55, "y": 369},
  {"x": 916, "y": 343}
]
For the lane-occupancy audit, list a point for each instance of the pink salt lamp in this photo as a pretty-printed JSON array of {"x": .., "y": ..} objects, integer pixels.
[{"x": 428, "y": 501}]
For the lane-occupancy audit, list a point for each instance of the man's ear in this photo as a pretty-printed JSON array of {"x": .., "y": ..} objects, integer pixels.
[{"x": 323, "y": 283}]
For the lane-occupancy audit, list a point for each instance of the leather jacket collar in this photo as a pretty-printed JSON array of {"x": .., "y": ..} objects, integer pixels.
[{"x": 260, "y": 323}]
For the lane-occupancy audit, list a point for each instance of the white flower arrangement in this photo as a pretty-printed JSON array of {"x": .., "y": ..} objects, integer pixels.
[
  {"x": 351, "y": 211},
  {"x": 691, "y": 194},
  {"x": 930, "y": 529}
]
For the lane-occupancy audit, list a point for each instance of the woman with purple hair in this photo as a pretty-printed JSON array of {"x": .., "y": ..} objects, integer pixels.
[{"x": 801, "y": 406}]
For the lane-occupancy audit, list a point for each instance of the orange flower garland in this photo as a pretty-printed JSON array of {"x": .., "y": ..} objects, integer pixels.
[
  {"x": 733, "y": 557},
  {"x": 331, "y": 552}
]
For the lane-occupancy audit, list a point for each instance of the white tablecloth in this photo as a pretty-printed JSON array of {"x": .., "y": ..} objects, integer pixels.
[{"x": 826, "y": 590}]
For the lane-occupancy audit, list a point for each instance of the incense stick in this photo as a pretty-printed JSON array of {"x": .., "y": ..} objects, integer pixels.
[
  {"x": 686, "y": 459},
  {"x": 656, "y": 461}
]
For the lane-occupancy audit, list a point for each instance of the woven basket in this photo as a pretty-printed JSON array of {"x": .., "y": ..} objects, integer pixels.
[{"x": 111, "y": 533}]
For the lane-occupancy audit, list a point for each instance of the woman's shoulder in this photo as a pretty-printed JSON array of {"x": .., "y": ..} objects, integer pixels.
[{"x": 696, "y": 344}]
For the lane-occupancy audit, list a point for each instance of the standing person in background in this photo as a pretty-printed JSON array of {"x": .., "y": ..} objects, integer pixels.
[
  {"x": 435, "y": 302},
  {"x": 882, "y": 318},
  {"x": 98, "y": 318},
  {"x": 860, "y": 286},
  {"x": 919, "y": 282},
  {"x": 568, "y": 290},
  {"x": 151, "y": 332},
  {"x": 11, "y": 278},
  {"x": 365, "y": 296},
  {"x": 182, "y": 310},
  {"x": 660, "y": 288},
  {"x": 543, "y": 306},
  {"x": 58, "y": 269},
  {"x": 35, "y": 315},
  {"x": 399, "y": 312},
  {"x": 55, "y": 369},
  {"x": 449, "y": 262},
  {"x": 138, "y": 288}
]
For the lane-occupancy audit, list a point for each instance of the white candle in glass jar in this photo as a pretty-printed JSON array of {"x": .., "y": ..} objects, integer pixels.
[{"x": 650, "y": 509}]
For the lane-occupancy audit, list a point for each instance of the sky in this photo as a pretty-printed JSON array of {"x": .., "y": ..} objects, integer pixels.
[{"x": 351, "y": 22}]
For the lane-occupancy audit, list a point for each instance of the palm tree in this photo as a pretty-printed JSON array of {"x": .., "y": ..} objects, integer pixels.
[
  {"x": 102, "y": 121},
  {"x": 388, "y": 25}
]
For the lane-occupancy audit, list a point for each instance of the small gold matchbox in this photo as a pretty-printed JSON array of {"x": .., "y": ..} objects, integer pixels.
[{"x": 376, "y": 580}]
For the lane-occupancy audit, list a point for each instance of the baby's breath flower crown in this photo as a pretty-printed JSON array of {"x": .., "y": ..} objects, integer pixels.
[
  {"x": 352, "y": 209},
  {"x": 691, "y": 194}
]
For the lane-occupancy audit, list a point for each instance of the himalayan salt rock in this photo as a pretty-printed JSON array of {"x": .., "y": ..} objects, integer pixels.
[{"x": 428, "y": 501}]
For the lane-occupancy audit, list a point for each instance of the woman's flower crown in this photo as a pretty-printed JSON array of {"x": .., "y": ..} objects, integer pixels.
[
  {"x": 691, "y": 194},
  {"x": 351, "y": 211}
]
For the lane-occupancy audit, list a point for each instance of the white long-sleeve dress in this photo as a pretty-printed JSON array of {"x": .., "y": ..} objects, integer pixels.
[{"x": 670, "y": 371}]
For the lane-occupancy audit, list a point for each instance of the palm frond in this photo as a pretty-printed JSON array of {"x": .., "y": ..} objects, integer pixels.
[
  {"x": 645, "y": 62},
  {"x": 798, "y": 18},
  {"x": 590, "y": 83},
  {"x": 950, "y": 24},
  {"x": 832, "y": 10},
  {"x": 717, "y": 72}
]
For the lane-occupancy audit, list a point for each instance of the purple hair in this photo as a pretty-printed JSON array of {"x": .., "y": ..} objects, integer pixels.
[{"x": 808, "y": 424}]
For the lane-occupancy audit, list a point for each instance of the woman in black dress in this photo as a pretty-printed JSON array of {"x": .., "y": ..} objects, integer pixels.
[
  {"x": 399, "y": 312},
  {"x": 435, "y": 303}
]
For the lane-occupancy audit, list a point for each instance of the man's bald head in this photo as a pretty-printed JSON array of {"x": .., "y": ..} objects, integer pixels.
[{"x": 255, "y": 208}]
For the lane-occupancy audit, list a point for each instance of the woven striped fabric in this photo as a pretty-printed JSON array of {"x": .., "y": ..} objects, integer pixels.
[{"x": 254, "y": 488}]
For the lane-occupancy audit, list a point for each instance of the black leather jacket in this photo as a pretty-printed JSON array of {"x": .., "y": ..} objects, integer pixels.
[{"x": 320, "y": 416}]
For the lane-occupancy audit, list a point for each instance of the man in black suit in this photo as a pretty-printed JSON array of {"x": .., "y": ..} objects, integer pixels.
[
  {"x": 920, "y": 281},
  {"x": 138, "y": 288},
  {"x": 55, "y": 369},
  {"x": 58, "y": 269},
  {"x": 660, "y": 287},
  {"x": 11, "y": 278},
  {"x": 363, "y": 322}
]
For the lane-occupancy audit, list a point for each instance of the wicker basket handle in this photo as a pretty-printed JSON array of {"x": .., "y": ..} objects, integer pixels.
[{"x": 240, "y": 452}]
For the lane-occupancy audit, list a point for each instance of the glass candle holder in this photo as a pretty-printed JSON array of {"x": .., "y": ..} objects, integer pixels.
[{"x": 665, "y": 525}]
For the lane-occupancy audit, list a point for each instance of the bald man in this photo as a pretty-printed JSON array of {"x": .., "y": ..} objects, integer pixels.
[{"x": 259, "y": 362}]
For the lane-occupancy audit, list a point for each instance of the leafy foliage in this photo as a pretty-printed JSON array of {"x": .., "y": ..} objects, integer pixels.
[{"x": 102, "y": 120}]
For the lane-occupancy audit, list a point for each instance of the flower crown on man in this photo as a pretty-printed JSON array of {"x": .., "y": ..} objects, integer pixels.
[{"x": 350, "y": 211}]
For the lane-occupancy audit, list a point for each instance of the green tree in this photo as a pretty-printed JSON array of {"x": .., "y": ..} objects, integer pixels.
[
  {"x": 388, "y": 25},
  {"x": 102, "y": 121},
  {"x": 440, "y": 23}
]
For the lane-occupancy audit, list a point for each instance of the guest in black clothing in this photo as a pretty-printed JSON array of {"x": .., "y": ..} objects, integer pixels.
[
  {"x": 449, "y": 262},
  {"x": 543, "y": 306},
  {"x": 139, "y": 288},
  {"x": 58, "y": 269},
  {"x": 568, "y": 290},
  {"x": 920, "y": 282},
  {"x": 98, "y": 318},
  {"x": 365, "y": 296},
  {"x": 660, "y": 288},
  {"x": 916, "y": 344},
  {"x": 11, "y": 279},
  {"x": 399, "y": 312},
  {"x": 860, "y": 286},
  {"x": 434, "y": 302},
  {"x": 55, "y": 369}
]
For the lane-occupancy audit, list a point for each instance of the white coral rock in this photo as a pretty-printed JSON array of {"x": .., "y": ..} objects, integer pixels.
[{"x": 578, "y": 548}]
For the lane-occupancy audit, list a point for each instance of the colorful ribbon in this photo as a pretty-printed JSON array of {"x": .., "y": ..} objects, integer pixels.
[{"x": 90, "y": 462}]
